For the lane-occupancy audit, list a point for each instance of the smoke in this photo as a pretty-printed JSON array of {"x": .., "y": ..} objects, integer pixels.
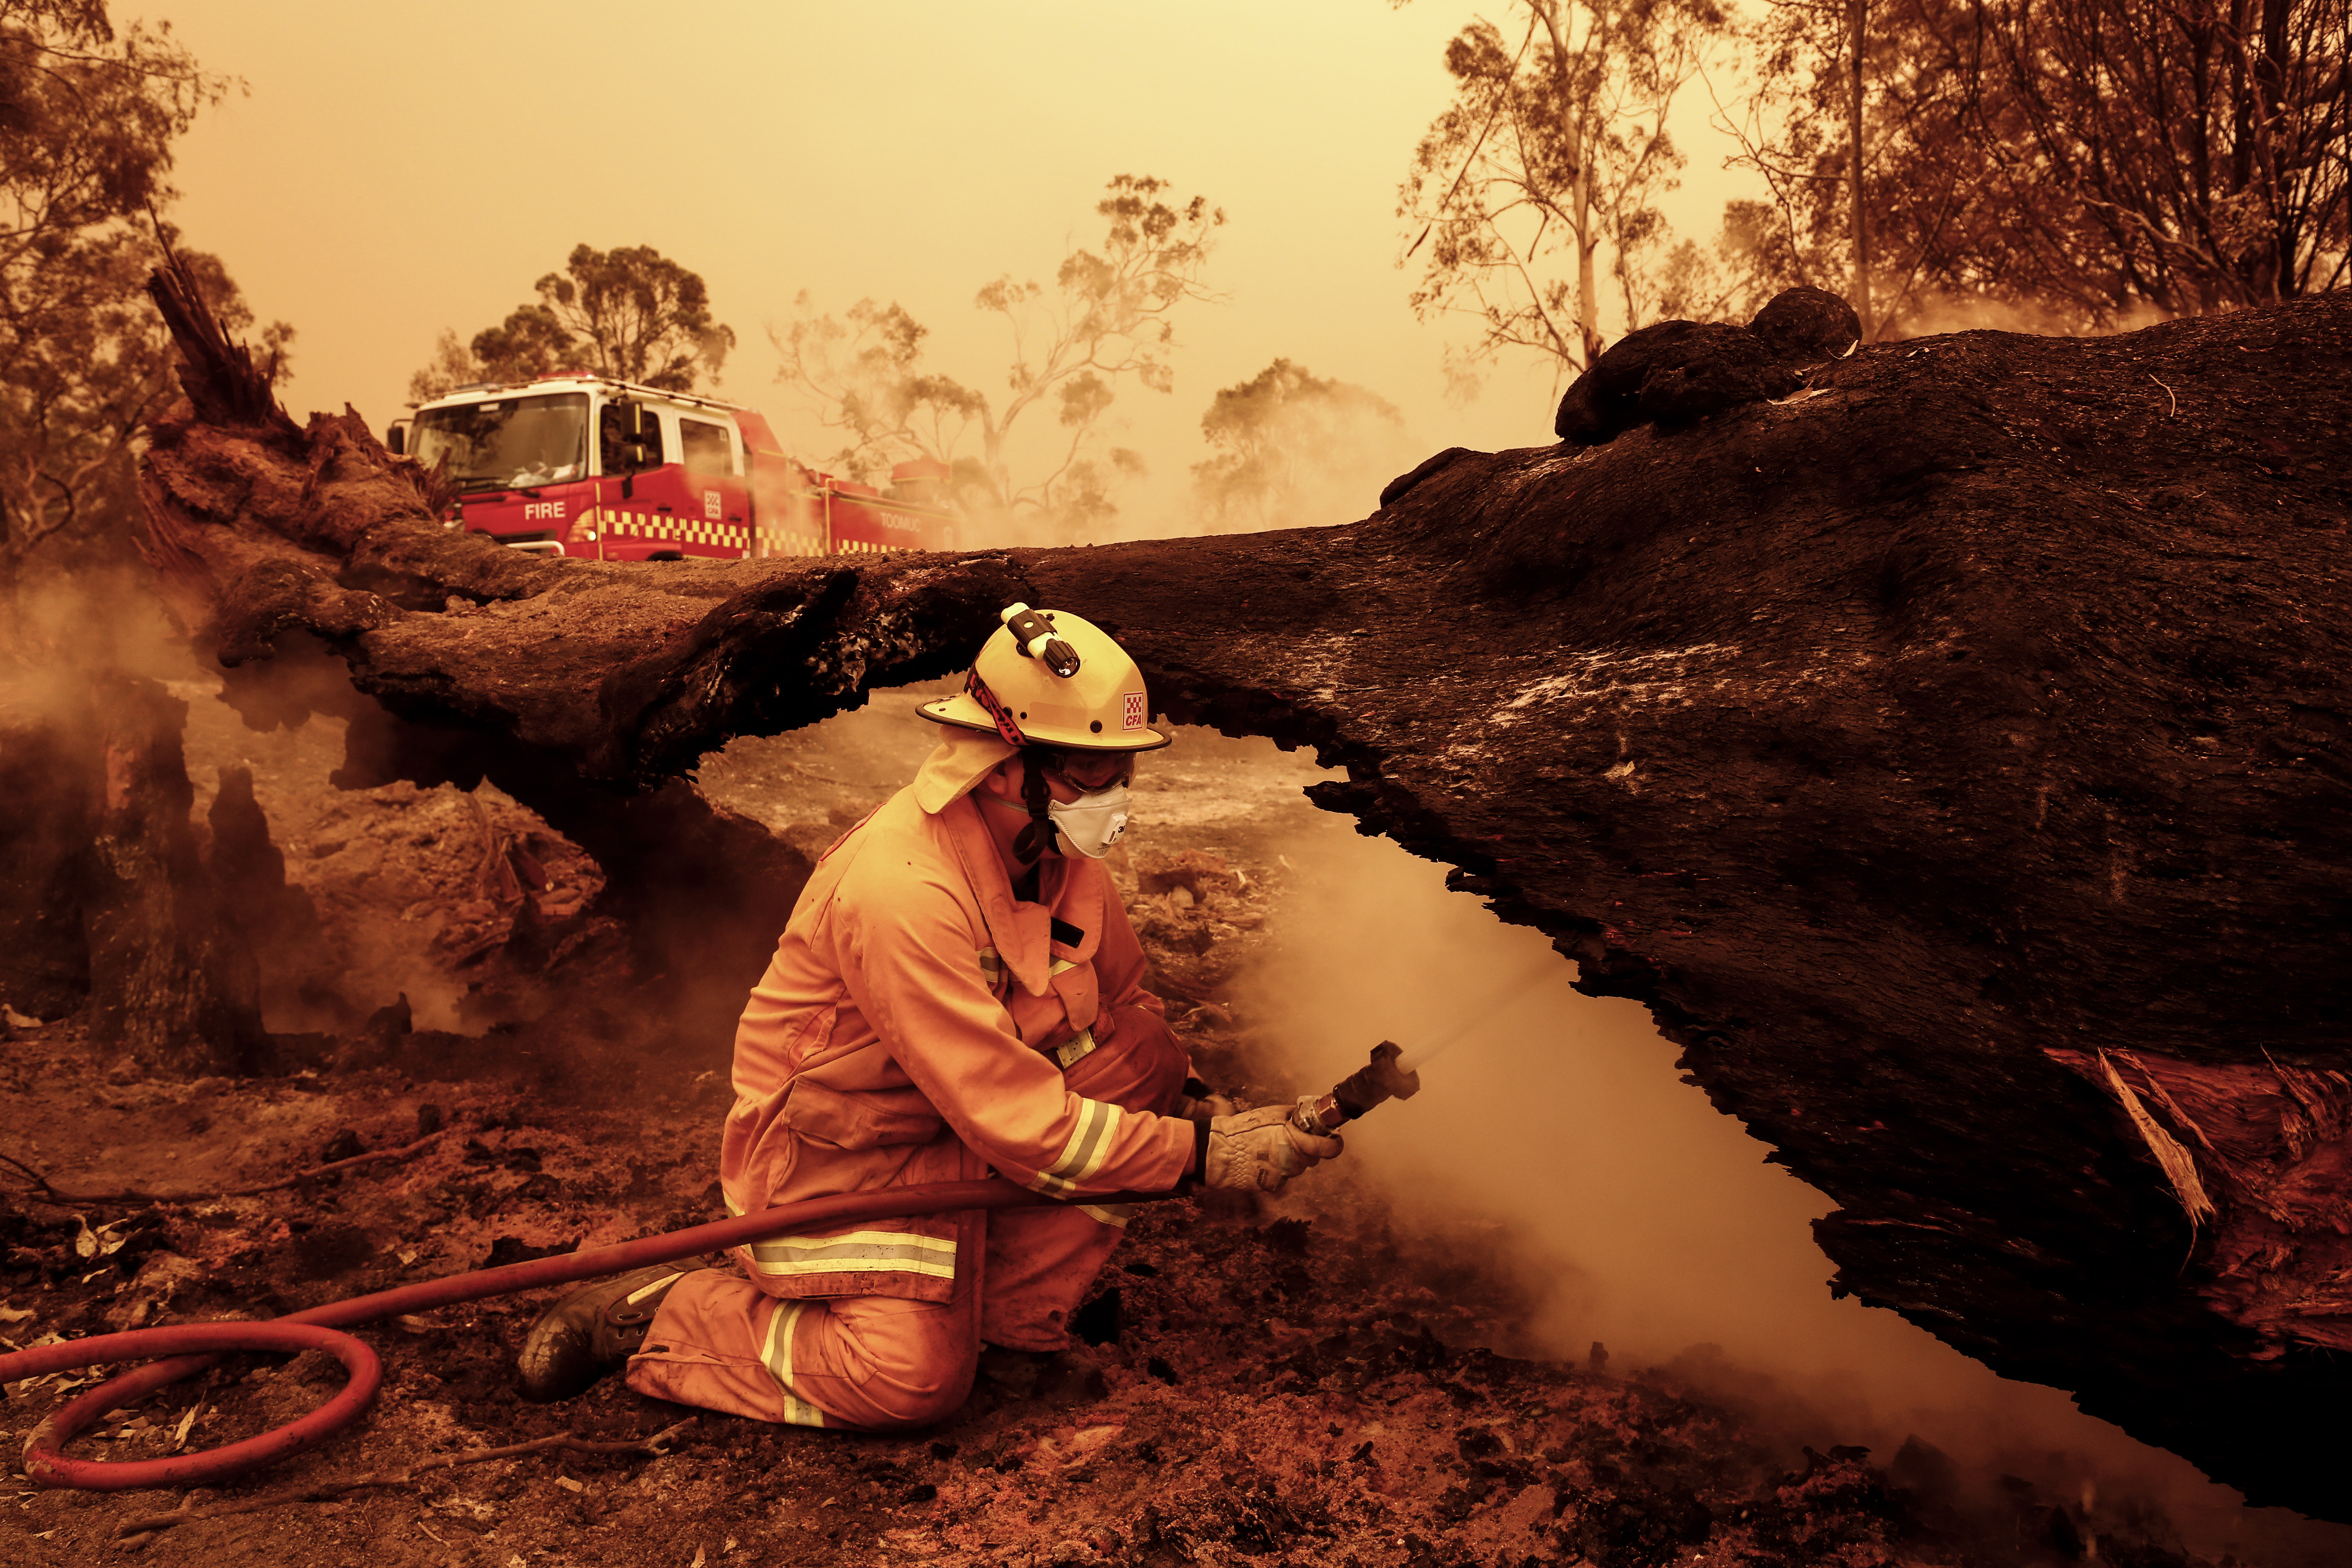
[
  {"x": 1935, "y": 313},
  {"x": 1290, "y": 447},
  {"x": 57, "y": 630},
  {"x": 1558, "y": 1132},
  {"x": 389, "y": 875},
  {"x": 348, "y": 899},
  {"x": 1313, "y": 453},
  {"x": 1284, "y": 449}
]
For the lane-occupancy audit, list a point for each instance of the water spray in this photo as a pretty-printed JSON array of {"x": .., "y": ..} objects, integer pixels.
[
  {"x": 1386, "y": 1077},
  {"x": 1510, "y": 997},
  {"x": 1382, "y": 1078}
]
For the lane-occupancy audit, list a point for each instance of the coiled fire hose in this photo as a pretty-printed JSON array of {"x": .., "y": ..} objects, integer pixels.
[{"x": 190, "y": 1348}]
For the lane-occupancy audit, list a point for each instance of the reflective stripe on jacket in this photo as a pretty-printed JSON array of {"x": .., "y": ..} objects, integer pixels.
[{"x": 914, "y": 1026}]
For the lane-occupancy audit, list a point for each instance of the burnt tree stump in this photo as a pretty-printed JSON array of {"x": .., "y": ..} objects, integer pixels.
[{"x": 171, "y": 980}]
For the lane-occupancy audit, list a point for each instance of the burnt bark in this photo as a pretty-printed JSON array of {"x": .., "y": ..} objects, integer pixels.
[
  {"x": 1904, "y": 748},
  {"x": 173, "y": 981}
]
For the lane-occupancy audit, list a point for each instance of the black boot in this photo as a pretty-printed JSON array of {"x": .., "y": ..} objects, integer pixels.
[{"x": 593, "y": 1331}]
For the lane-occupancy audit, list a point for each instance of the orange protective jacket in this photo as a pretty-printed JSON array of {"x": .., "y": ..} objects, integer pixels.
[{"x": 914, "y": 1026}]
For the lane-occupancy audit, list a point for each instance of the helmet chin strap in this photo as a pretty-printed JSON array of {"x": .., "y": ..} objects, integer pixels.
[{"x": 1038, "y": 833}]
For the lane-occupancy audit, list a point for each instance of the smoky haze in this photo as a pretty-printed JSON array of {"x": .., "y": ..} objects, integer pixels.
[
  {"x": 838, "y": 150},
  {"x": 1294, "y": 448},
  {"x": 1552, "y": 1128}
]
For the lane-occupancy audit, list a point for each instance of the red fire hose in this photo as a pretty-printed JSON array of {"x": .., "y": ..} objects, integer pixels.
[{"x": 192, "y": 1347}]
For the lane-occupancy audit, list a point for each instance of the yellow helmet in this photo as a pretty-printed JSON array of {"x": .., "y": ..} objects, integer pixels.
[{"x": 1049, "y": 678}]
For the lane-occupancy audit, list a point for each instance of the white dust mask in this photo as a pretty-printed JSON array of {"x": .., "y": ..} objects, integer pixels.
[{"x": 1092, "y": 823}]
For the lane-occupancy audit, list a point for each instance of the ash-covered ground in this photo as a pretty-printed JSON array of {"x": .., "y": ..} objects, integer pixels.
[{"x": 1320, "y": 1379}]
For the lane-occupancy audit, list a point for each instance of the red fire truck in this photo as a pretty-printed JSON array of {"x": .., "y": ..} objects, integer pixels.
[{"x": 602, "y": 469}]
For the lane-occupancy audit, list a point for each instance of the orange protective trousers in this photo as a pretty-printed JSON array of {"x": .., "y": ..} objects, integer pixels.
[{"x": 880, "y": 1363}]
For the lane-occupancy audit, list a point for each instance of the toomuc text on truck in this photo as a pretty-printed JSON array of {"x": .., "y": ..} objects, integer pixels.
[{"x": 601, "y": 469}]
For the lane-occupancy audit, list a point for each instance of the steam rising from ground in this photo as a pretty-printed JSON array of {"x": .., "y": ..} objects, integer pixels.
[{"x": 1640, "y": 1216}]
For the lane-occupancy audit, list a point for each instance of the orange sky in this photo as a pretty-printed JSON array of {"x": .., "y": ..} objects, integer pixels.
[{"x": 396, "y": 170}]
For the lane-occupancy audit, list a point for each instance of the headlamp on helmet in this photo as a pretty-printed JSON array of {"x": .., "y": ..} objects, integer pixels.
[{"x": 1034, "y": 635}]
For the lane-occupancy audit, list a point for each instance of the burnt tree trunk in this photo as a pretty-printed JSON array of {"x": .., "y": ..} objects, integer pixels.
[
  {"x": 1956, "y": 760},
  {"x": 105, "y": 901},
  {"x": 173, "y": 981}
]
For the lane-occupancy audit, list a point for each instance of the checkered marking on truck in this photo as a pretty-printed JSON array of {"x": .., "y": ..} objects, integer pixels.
[
  {"x": 792, "y": 541},
  {"x": 669, "y": 527}
]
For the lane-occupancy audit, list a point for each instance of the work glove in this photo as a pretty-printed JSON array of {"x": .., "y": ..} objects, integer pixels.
[
  {"x": 1258, "y": 1151},
  {"x": 1199, "y": 1102}
]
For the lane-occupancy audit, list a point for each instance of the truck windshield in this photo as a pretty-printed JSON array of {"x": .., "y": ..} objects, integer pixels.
[{"x": 507, "y": 443}]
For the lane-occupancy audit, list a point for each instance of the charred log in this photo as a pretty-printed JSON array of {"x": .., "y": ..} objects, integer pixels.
[
  {"x": 1902, "y": 747},
  {"x": 1676, "y": 373}
]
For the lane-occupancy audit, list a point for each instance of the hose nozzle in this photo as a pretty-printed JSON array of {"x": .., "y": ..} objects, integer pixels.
[{"x": 1378, "y": 1080}]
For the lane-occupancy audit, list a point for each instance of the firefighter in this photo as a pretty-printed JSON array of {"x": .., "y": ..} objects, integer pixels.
[{"x": 959, "y": 992}]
